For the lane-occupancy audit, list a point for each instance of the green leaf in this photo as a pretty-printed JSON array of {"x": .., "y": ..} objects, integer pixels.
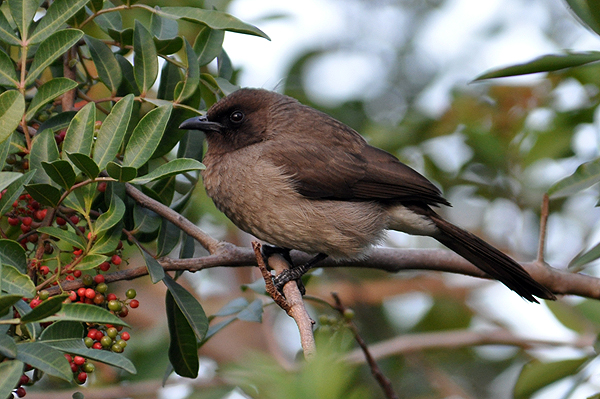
[
  {"x": 155, "y": 270},
  {"x": 7, "y": 302},
  {"x": 80, "y": 134},
  {"x": 586, "y": 175},
  {"x": 50, "y": 49},
  {"x": 76, "y": 347},
  {"x": 43, "y": 149},
  {"x": 211, "y": 18},
  {"x": 107, "y": 65},
  {"x": 208, "y": 44},
  {"x": 166, "y": 47},
  {"x": 14, "y": 282},
  {"x": 163, "y": 28},
  {"x": 58, "y": 121},
  {"x": 145, "y": 61},
  {"x": 12, "y": 107},
  {"x": 85, "y": 164},
  {"x": 121, "y": 173},
  {"x": 169, "y": 77},
  {"x": 7, "y": 178},
  {"x": 587, "y": 11},
  {"x": 107, "y": 242},
  {"x": 146, "y": 136},
  {"x": 192, "y": 76},
  {"x": 7, "y": 33},
  {"x": 58, "y": 13},
  {"x": 546, "y": 63},
  {"x": 48, "y": 92},
  {"x": 13, "y": 191},
  {"x": 172, "y": 168},
  {"x": 44, "y": 194},
  {"x": 8, "y": 76},
  {"x": 122, "y": 36},
  {"x": 11, "y": 253},
  {"x": 45, "y": 309},
  {"x": 111, "y": 217},
  {"x": 61, "y": 172},
  {"x": 45, "y": 358},
  {"x": 536, "y": 375},
  {"x": 67, "y": 236},
  {"x": 10, "y": 373},
  {"x": 62, "y": 330},
  {"x": 87, "y": 314},
  {"x": 168, "y": 238},
  {"x": 109, "y": 20},
  {"x": 189, "y": 306},
  {"x": 585, "y": 257},
  {"x": 81, "y": 198},
  {"x": 8, "y": 347},
  {"x": 112, "y": 131},
  {"x": 183, "y": 348},
  {"x": 23, "y": 12},
  {"x": 91, "y": 261}
]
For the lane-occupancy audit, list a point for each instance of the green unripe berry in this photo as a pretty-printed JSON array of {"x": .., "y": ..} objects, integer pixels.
[
  {"x": 349, "y": 314},
  {"x": 117, "y": 348},
  {"x": 112, "y": 332},
  {"x": 102, "y": 288},
  {"x": 114, "y": 305},
  {"x": 88, "y": 342},
  {"x": 44, "y": 295},
  {"x": 87, "y": 280},
  {"x": 106, "y": 341},
  {"x": 88, "y": 368},
  {"x": 122, "y": 343},
  {"x": 130, "y": 294}
]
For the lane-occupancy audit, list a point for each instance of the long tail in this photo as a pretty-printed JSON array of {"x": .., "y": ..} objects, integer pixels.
[{"x": 489, "y": 259}]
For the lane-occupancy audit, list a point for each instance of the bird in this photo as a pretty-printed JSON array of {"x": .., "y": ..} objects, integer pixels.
[{"x": 296, "y": 178}]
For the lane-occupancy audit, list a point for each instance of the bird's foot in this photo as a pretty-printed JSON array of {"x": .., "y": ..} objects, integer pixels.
[
  {"x": 267, "y": 251},
  {"x": 296, "y": 273}
]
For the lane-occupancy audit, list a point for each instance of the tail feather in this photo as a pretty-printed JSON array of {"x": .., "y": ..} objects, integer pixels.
[{"x": 489, "y": 259}]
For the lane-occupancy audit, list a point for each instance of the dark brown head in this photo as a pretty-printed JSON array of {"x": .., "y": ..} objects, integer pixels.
[{"x": 238, "y": 120}]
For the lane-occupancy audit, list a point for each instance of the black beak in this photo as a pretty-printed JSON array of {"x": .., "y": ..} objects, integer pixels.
[{"x": 201, "y": 123}]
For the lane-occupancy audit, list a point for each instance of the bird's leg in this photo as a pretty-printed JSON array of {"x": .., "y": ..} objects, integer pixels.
[
  {"x": 267, "y": 251},
  {"x": 296, "y": 273}
]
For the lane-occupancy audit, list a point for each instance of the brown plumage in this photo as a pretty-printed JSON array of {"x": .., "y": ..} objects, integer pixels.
[{"x": 299, "y": 179}]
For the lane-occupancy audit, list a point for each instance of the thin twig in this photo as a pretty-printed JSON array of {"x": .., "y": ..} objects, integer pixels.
[
  {"x": 382, "y": 380},
  {"x": 269, "y": 286},
  {"x": 543, "y": 227}
]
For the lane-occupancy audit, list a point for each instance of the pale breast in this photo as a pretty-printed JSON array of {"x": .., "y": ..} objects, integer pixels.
[{"x": 261, "y": 200}]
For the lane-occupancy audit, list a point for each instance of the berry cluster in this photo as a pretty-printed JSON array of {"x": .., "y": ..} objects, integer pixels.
[
  {"x": 80, "y": 367},
  {"x": 28, "y": 215},
  {"x": 107, "y": 337},
  {"x": 20, "y": 391}
]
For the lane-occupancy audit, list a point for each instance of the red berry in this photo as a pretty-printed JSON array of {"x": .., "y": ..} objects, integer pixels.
[
  {"x": 116, "y": 259},
  {"x": 24, "y": 380},
  {"x": 134, "y": 303},
  {"x": 102, "y": 186},
  {"x": 77, "y": 252},
  {"x": 44, "y": 270},
  {"x": 68, "y": 357},
  {"x": 34, "y": 303},
  {"x": 92, "y": 333},
  {"x": 125, "y": 335},
  {"x": 69, "y": 278},
  {"x": 76, "y": 273},
  {"x": 82, "y": 377},
  {"x": 90, "y": 293},
  {"x": 60, "y": 221},
  {"x": 82, "y": 229},
  {"x": 74, "y": 219},
  {"x": 13, "y": 221},
  {"x": 81, "y": 292},
  {"x": 21, "y": 392},
  {"x": 99, "y": 335},
  {"x": 99, "y": 299},
  {"x": 74, "y": 367},
  {"x": 73, "y": 296},
  {"x": 78, "y": 360},
  {"x": 98, "y": 278},
  {"x": 104, "y": 266},
  {"x": 40, "y": 214},
  {"x": 97, "y": 345},
  {"x": 25, "y": 229},
  {"x": 27, "y": 221},
  {"x": 111, "y": 297}
]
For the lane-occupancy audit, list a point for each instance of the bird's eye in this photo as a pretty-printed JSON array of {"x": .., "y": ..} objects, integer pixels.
[{"x": 236, "y": 117}]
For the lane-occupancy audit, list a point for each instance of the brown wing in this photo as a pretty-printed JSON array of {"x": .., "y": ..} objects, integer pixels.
[{"x": 345, "y": 167}]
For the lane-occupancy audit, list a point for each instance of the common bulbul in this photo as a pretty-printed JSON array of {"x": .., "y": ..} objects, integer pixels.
[{"x": 299, "y": 179}]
